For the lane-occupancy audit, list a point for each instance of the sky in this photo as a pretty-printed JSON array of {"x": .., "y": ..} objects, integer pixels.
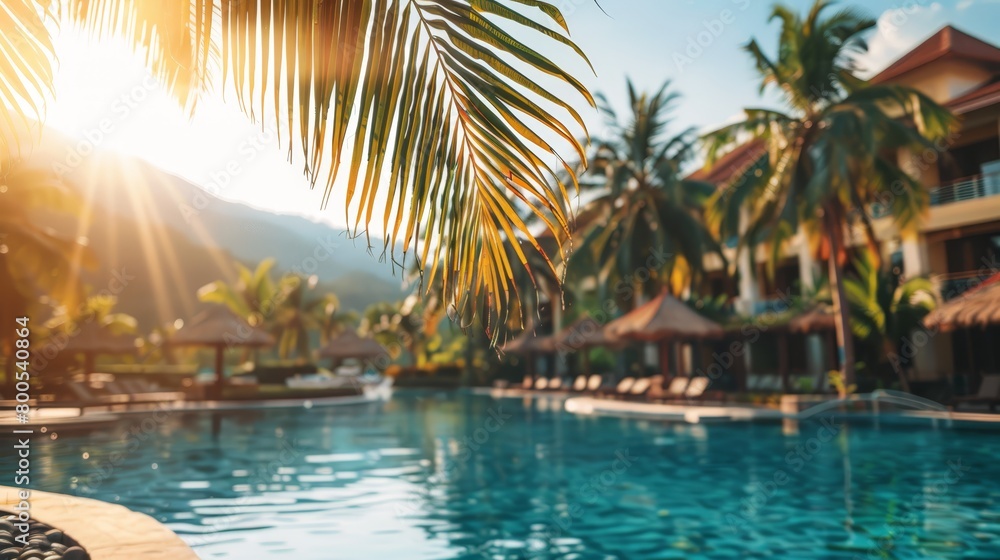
[{"x": 696, "y": 44}]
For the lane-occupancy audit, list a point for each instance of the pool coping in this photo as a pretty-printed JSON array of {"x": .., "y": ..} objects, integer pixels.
[
  {"x": 699, "y": 414},
  {"x": 106, "y": 531}
]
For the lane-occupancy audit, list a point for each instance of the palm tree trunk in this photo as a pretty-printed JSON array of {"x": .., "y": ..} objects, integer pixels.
[{"x": 845, "y": 342}]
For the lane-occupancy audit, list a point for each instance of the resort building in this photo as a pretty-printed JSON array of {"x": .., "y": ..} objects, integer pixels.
[{"x": 958, "y": 243}]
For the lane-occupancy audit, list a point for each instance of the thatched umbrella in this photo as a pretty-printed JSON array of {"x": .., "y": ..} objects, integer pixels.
[
  {"x": 349, "y": 344},
  {"x": 92, "y": 340},
  {"x": 977, "y": 308},
  {"x": 529, "y": 344},
  {"x": 220, "y": 328},
  {"x": 664, "y": 319},
  {"x": 583, "y": 334}
]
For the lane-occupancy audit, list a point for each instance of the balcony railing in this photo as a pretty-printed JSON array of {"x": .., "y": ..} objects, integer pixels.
[
  {"x": 969, "y": 188},
  {"x": 954, "y": 284}
]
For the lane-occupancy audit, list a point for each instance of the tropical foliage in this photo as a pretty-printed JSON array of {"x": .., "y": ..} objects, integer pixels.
[
  {"x": 831, "y": 151},
  {"x": 448, "y": 104},
  {"x": 885, "y": 311},
  {"x": 285, "y": 307},
  {"x": 646, "y": 226}
]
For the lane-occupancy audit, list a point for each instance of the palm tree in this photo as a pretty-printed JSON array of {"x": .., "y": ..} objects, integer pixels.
[
  {"x": 831, "y": 151},
  {"x": 886, "y": 310},
  {"x": 255, "y": 296},
  {"x": 261, "y": 300},
  {"x": 647, "y": 222},
  {"x": 330, "y": 317},
  {"x": 448, "y": 104},
  {"x": 35, "y": 261}
]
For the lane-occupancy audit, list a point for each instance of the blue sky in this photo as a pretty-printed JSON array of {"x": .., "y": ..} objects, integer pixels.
[
  {"x": 652, "y": 40},
  {"x": 695, "y": 43}
]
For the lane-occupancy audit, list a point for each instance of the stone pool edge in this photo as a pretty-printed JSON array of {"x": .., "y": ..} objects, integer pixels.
[{"x": 106, "y": 531}]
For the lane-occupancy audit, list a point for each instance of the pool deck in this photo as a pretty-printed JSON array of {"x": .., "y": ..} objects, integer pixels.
[
  {"x": 65, "y": 417},
  {"x": 106, "y": 531},
  {"x": 700, "y": 414},
  {"x": 927, "y": 413}
]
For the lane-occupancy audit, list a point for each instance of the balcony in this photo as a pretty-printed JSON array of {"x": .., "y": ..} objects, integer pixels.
[
  {"x": 970, "y": 188},
  {"x": 954, "y": 284}
]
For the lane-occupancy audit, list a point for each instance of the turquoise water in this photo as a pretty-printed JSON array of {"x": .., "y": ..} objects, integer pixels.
[{"x": 436, "y": 476}]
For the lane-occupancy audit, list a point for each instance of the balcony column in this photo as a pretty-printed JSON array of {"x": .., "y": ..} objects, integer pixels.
[
  {"x": 807, "y": 276},
  {"x": 916, "y": 262},
  {"x": 916, "y": 259}
]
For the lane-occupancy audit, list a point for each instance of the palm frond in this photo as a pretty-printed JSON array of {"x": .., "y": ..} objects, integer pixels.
[{"x": 443, "y": 109}]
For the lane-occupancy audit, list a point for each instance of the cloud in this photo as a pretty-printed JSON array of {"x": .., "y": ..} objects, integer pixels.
[
  {"x": 964, "y": 4},
  {"x": 899, "y": 30}
]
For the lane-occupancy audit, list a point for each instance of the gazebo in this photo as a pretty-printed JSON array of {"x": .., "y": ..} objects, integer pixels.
[
  {"x": 220, "y": 328},
  {"x": 977, "y": 308},
  {"x": 584, "y": 334},
  {"x": 349, "y": 344},
  {"x": 529, "y": 344},
  {"x": 664, "y": 319},
  {"x": 92, "y": 340},
  {"x": 818, "y": 319}
]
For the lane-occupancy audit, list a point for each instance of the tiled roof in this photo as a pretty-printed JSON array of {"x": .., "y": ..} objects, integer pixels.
[
  {"x": 948, "y": 42},
  {"x": 983, "y": 96},
  {"x": 731, "y": 164}
]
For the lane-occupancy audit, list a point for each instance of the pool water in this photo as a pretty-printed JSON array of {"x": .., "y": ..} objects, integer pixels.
[{"x": 437, "y": 476}]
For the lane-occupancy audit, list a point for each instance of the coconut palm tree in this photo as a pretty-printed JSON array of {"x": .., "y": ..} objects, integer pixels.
[
  {"x": 255, "y": 296},
  {"x": 330, "y": 317},
  {"x": 886, "y": 310},
  {"x": 444, "y": 109},
  {"x": 645, "y": 231},
  {"x": 830, "y": 151}
]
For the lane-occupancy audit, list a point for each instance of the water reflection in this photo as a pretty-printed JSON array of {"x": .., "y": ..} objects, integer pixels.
[{"x": 436, "y": 476}]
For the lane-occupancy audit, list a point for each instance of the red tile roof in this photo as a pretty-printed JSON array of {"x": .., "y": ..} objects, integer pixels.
[
  {"x": 731, "y": 164},
  {"x": 983, "y": 96},
  {"x": 948, "y": 42}
]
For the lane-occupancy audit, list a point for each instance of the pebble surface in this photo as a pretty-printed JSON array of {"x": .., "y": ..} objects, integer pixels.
[{"x": 44, "y": 542}]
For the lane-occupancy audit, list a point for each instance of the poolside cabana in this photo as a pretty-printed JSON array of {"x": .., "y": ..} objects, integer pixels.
[
  {"x": 530, "y": 345},
  {"x": 585, "y": 333},
  {"x": 92, "y": 340},
  {"x": 350, "y": 345},
  {"x": 220, "y": 328},
  {"x": 818, "y": 319},
  {"x": 975, "y": 310},
  {"x": 664, "y": 320}
]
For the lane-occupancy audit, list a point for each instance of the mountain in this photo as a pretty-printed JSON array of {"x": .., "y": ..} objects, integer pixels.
[{"x": 167, "y": 237}]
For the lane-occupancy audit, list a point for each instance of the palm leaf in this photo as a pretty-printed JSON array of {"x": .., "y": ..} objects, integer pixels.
[{"x": 446, "y": 103}]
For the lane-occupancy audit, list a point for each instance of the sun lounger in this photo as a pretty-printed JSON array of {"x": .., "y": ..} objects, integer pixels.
[
  {"x": 580, "y": 383},
  {"x": 555, "y": 384},
  {"x": 988, "y": 394},
  {"x": 623, "y": 387},
  {"x": 528, "y": 382},
  {"x": 541, "y": 384},
  {"x": 594, "y": 383}
]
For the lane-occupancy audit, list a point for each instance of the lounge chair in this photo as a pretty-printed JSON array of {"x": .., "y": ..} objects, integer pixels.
[
  {"x": 622, "y": 388},
  {"x": 696, "y": 388},
  {"x": 541, "y": 384},
  {"x": 594, "y": 383},
  {"x": 580, "y": 383},
  {"x": 556, "y": 384},
  {"x": 988, "y": 394}
]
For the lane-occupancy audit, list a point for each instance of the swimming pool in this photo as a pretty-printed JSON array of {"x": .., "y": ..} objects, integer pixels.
[{"x": 436, "y": 476}]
